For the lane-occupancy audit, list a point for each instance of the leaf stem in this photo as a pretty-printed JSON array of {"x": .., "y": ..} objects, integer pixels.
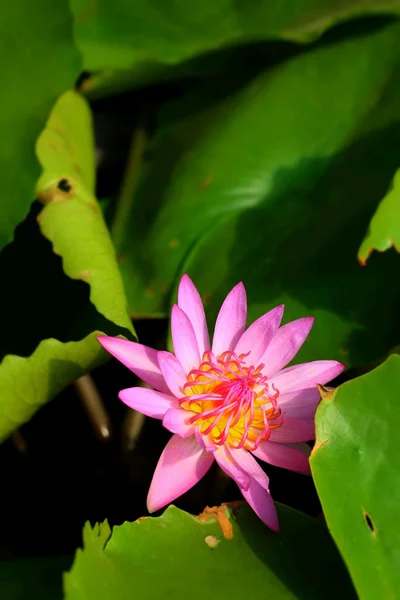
[{"x": 93, "y": 405}]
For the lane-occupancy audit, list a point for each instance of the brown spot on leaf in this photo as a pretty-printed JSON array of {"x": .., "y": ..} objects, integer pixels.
[
  {"x": 173, "y": 244},
  {"x": 211, "y": 541},
  {"x": 78, "y": 169},
  {"x": 85, "y": 275},
  {"x": 220, "y": 514},
  {"x": 206, "y": 299},
  {"x": 87, "y": 13},
  {"x": 86, "y": 85},
  {"x": 326, "y": 393},
  {"x": 141, "y": 519},
  {"x": 64, "y": 185},
  {"x": 206, "y": 181},
  {"x": 363, "y": 261},
  {"x": 59, "y": 190}
]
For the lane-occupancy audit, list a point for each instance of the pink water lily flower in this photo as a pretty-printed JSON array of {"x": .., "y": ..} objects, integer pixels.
[{"x": 228, "y": 401}]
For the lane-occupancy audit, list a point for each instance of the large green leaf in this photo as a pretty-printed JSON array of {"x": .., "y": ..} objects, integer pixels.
[
  {"x": 181, "y": 556},
  {"x": 384, "y": 229},
  {"x": 27, "y": 383},
  {"x": 72, "y": 219},
  {"x": 48, "y": 326},
  {"x": 40, "y": 62},
  {"x": 33, "y": 579},
  {"x": 356, "y": 467},
  {"x": 275, "y": 188},
  {"x": 143, "y": 35}
]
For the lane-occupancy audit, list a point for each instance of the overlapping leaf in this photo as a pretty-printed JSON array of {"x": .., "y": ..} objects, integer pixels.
[
  {"x": 275, "y": 187},
  {"x": 143, "y": 33},
  {"x": 356, "y": 467},
  {"x": 40, "y": 61},
  {"x": 27, "y": 383},
  {"x": 72, "y": 219},
  {"x": 384, "y": 229},
  {"x": 181, "y": 556},
  {"x": 56, "y": 342}
]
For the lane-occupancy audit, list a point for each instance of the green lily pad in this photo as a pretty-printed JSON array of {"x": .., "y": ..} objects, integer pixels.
[
  {"x": 33, "y": 579},
  {"x": 384, "y": 229},
  {"x": 178, "y": 555},
  {"x": 40, "y": 61},
  {"x": 49, "y": 327},
  {"x": 72, "y": 219},
  {"x": 144, "y": 35},
  {"x": 275, "y": 187},
  {"x": 28, "y": 383},
  {"x": 356, "y": 468}
]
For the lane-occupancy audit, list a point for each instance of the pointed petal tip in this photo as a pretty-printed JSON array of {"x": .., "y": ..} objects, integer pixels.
[
  {"x": 231, "y": 320},
  {"x": 339, "y": 367},
  {"x": 151, "y": 503},
  {"x": 112, "y": 344},
  {"x": 274, "y": 526},
  {"x": 185, "y": 279},
  {"x": 238, "y": 288},
  {"x": 184, "y": 339},
  {"x": 308, "y": 322},
  {"x": 150, "y": 507},
  {"x": 147, "y": 401},
  {"x": 105, "y": 340},
  {"x": 280, "y": 309}
]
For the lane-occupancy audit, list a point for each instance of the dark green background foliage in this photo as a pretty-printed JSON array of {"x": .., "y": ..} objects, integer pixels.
[{"x": 258, "y": 141}]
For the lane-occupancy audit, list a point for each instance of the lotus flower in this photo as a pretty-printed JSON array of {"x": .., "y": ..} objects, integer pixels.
[{"x": 230, "y": 401}]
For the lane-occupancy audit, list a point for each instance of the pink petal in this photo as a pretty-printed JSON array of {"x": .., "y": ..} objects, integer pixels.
[
  {"x": 261, "y": 502},
  {"x": 300, "y": 405},
  {"x": 189, "y": 301},
  {"x": 258, "y": 336},
  {"x": 293, "y": 431},
  {"x": 294, "y": 458},
  {"x": 182, "y": 464},
  {"x": 306, "y": 375},
  {"x": 184, "y": 340},
  {"x": 224, "y": 458},
  {"x": 172, "y": 372},
  {"x": 231, "y": 320},
  {"x": 246, "y": 461},
  {"x": 285, "y": 344},
  {"x": 138, "y": 358},
  {"x": 205, "y": 441},
  {"x": 148, "y": 402},
  {"x": 176, "y": 420}
]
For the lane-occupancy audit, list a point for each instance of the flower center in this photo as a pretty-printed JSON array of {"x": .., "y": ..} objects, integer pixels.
[{"x": 233, "y": 402}]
